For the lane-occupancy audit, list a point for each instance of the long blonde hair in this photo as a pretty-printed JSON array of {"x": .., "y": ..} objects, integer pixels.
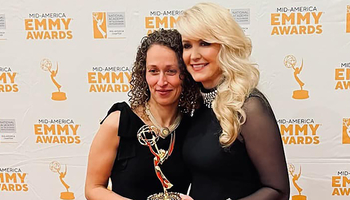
[{"x": 214, "y": 24}]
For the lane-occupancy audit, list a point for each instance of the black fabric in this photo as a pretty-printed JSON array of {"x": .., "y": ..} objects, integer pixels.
[
  {"x": 133, "y": 175},
  {"x": 252, "y": 168}
]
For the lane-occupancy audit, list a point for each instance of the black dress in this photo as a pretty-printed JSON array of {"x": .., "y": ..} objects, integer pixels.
[
  {"x": 254, "y": 161},
  {"x": 133, "y": 175}
]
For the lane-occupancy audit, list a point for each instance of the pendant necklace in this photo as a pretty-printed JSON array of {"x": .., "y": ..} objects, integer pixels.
[{"x": 163, "y": 131}]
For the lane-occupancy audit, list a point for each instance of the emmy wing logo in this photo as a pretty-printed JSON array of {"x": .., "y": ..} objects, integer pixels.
[
  {"x": 100, "y": 27},
  {"x": 109, "y": 25},
  {"x": 348, "y": 19},
  {"x": 56, "y": 168},
  {"x": 290, "y": 62},
  {"x": 46, "y": 65},
  {"x": 295, "y": 178},
  {"x": 346, "y": 131}
]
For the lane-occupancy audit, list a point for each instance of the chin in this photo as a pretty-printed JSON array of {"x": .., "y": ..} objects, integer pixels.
[
  {"x": 199, "y": 78},
  {"x": 165, "y": 102}
]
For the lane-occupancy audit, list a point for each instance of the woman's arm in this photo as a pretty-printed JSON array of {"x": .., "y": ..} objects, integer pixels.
[
  {"x": 264, "y": 146},
  {"x": 102, "y": 154}
]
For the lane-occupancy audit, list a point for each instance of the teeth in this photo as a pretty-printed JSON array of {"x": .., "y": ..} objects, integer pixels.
[{"x": 198, "y": 66}]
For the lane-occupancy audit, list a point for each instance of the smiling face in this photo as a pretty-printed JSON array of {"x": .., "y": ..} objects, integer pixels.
[
  {"x": 200, "y": 58},
  {"x": 163, "y": 75}
]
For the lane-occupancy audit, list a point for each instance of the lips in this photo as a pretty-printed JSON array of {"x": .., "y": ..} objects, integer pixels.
[
  {"x": 164, "y": 91},
  {"x": 198, "y": 67}
]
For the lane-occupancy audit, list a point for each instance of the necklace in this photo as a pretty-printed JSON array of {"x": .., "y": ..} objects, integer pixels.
[
  {"x": 163, "y": 131},
  {"x": 209, "y": 97}
]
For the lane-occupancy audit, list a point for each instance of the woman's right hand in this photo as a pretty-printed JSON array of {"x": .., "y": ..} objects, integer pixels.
[{"x": 185, "y": 197}]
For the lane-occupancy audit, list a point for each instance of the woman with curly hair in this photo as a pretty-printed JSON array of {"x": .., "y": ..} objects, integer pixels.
[
  {"x": 233, "y": 147},
  {"x": 162, "y": 92}
]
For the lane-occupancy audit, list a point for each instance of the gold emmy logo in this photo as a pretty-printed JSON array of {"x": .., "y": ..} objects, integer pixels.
[
  {"x": 290, "y": 62},
  {"x": 348, "y": 19},
  {"x": 99, "y": 23},
  {"x": 346, "y": 131},
  {"x": 56, "y": 167},
  {"x": 46, "y": 65},
  {"x": 296, "y": 177}
]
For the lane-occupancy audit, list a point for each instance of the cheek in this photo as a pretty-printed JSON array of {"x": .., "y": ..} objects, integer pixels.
[
  {"x": 176, "y": 82},
  {"x": 189, "y": 69},
  {"x": 211, "y": 55},
  {"x": 150, "y": 81},
  {"x": 186, "y": 57}
]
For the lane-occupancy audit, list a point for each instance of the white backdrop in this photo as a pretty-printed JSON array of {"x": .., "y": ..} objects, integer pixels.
[{"x": 64, "y": 63}]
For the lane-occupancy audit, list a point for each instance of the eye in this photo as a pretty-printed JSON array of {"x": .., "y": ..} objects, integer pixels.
[
  {"x": 153, "y": 71},
  {"x": 171, "y": 72},
  {"x": 203, "y": 43},
  {"x": 187, "y": 46}
]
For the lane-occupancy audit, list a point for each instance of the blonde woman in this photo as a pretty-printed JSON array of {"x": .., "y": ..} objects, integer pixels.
[{"x": 233, "y": 147}]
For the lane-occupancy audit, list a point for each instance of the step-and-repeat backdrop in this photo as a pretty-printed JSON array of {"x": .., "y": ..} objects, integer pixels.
[{"x": 64, "y": 63}]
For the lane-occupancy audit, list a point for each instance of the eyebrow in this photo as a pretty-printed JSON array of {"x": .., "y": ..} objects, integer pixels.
[
  {"x": 171, "y": 65},
  {"x": 199, "y": 40}
]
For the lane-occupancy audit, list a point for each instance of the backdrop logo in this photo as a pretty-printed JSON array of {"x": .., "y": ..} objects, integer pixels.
[
  {"x": 108, "y": 25},
  {"x": 295, "y": 177},
  {"x": 2, "y": 27},
  {"x": 56, "y": 131},
  {"x": 109, "y": 79},
  {"x": 46, "y": 65},
  {"x": 348, "y": 18},
  {"x": 290, "y": 62},
  {"x": 100, "y": 27},
  {"x": 299, "y": 131},
  {"x": 48, "y": 26},
  {"x": 161, "y": 19},
  {"x": 7, "y": 80},
  {"x": 242, "y": 17},
  {"x": 342, "y": 76},
  {"x": 13, "y": 180},
  {"x": 346, "y": 131},
  {"x": 301, "y": 20},
  {"x": 7, "y": 130},
  {"x": 341, "y": 184},
  {"x": 55, "y": 167}
]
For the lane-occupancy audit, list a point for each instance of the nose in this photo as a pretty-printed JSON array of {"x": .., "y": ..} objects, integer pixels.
[
  {"x": 195, "y": 54},
  {"x": 162, "y": 81}
]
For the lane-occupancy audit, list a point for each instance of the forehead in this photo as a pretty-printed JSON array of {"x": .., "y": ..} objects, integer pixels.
[
  {"x": 192, "y": 40},
  {"x": 186, "y": 38},
  {"x": 160, "y": 54}
]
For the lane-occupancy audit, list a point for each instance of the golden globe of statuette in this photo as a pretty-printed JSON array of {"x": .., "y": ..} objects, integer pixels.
[
  {"x": 46, "y": 64},
  {"x": 291, "y": 167},
  {"x": 162, "y": 196},
  {"x": 55, "y": 166},
  {"x": 290, "y": 61}
]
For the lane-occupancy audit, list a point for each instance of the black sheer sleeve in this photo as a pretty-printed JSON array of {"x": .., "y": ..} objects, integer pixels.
[{"x": 263, "y": 141}]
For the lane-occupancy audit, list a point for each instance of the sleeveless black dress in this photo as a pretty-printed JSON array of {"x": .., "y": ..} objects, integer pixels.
[
  {"x": 133, "y": 175},
  {"x": 253, "y": 161}
]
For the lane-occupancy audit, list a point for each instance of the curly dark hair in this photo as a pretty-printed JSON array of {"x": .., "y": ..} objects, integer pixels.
[{"x": 139, "y": 93}]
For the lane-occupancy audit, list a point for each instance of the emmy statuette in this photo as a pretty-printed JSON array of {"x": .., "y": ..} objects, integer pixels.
[{"x": 148, "y": 136}]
